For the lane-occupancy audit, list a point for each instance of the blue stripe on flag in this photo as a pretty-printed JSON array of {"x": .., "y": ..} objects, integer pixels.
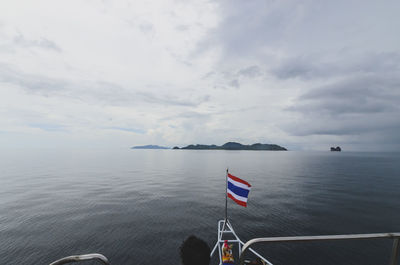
[{"x": 237, "y": 190}]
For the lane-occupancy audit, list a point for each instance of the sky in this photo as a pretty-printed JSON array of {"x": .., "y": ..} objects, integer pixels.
[{"x": 306, "y": 75}]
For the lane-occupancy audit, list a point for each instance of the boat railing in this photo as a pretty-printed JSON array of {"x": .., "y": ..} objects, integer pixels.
[
  {"x": 98, "y": 257},
  {"x": 226, "y": 232},
  {"x": 394, "y": 236}
]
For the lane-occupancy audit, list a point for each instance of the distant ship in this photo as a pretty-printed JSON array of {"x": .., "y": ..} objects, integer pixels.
[{"x": 336, "y": 149}]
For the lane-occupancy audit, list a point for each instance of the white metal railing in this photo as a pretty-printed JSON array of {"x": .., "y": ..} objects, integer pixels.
[
  {"x": 394, "y": 236},
  {"x": 225, "y": 228},
  {"x": 103, "y": 260}
]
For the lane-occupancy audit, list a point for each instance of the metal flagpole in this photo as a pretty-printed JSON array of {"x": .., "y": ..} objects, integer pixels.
[
  {"x": 226, "y": 200},
  {"x": 226, "y": 196}
]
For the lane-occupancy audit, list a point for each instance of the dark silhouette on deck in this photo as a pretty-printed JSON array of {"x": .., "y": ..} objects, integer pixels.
[{"x": 195, "y": 251}]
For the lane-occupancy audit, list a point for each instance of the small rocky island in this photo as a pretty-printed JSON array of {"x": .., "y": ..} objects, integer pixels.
[
  {"x": 235, "y": 146},
  {"x": 336, "y": 149},
  {"x": 149, "y": 147}
]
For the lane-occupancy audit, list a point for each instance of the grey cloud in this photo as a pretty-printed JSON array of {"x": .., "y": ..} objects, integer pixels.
[
  {"x": 209, "y": 75},
  {"x": 42, "y": 43},
  {"x": 234, "y": 83},
  {"x": 113, "y": 94},
  {"x": 178, "y": 57},
  {"x": 248, "y": 25},
  {"x": 362, "y": 99},
  {"x": 360, "y": 105},
  {"x": 251, "y": 71},
  {"x": 232, "y": 79},
  {"x": 169, "y": 100},
  {"x": 126, "y": 129},
  {"x": 146, "y": 27},
  {"x": 361, "y": 94},
  {"x": 32, "y": 83},
  {"x": 188, "y": 115},
  {"x": 46, "y": 86},
  {"x": 182, "y": 27},
  {"x": 196, "y": 116},
  {"x": 301, "y": 66},
  {"x": 188, "y": 120},
  {"x": 94, "y": 92},
  {"x": 385, "y": 125},
  {"x": 49, "y": 127},
  {"x": 219, "y": 80},
  {"x": 316, "y": 66},
  {"x": 253, "y": 28}
]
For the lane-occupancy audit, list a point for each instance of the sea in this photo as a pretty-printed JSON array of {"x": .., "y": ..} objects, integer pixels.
[{"x": 137, "y": 206}]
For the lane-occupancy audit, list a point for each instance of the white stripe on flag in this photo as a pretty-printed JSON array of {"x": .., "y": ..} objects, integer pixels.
[
  {"x": 237, "y": 197},
  {"x": 238, "y": 184}
]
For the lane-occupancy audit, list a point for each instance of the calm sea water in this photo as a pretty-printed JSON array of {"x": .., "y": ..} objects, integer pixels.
[{"x": 137, "y": 206}]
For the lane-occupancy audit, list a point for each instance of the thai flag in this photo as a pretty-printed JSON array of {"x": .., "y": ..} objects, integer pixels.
[{"x": 238, "y": 190}]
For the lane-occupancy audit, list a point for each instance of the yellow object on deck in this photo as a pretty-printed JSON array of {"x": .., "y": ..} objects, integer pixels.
[{"x": 227, "y": 256}]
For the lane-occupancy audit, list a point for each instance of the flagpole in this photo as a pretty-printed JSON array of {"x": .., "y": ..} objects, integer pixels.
[
  {"x": 226, "y": 195},
  {"x": 226, "y": 199}
]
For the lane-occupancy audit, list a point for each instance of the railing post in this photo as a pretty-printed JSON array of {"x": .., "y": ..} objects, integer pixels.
[{"x": 395, "y": 252}]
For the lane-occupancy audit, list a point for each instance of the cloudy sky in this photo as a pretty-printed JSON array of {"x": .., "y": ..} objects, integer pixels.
[{"x": 98, "y": 73}]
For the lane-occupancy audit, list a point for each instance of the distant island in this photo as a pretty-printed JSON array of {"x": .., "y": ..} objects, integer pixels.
[
  {"x": 336, "y": 149},
  {"x": 150, "y": 147},
  {"x": 235, "y": 146}
]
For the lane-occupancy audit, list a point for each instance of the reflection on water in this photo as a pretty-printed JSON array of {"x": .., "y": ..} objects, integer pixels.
[{"x": 137, "y": 206}]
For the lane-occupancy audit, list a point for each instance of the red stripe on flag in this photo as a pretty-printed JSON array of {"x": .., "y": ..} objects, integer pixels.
[
  {"x": 237, "y": 201},
  {"x": 239, "y": 180}
]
